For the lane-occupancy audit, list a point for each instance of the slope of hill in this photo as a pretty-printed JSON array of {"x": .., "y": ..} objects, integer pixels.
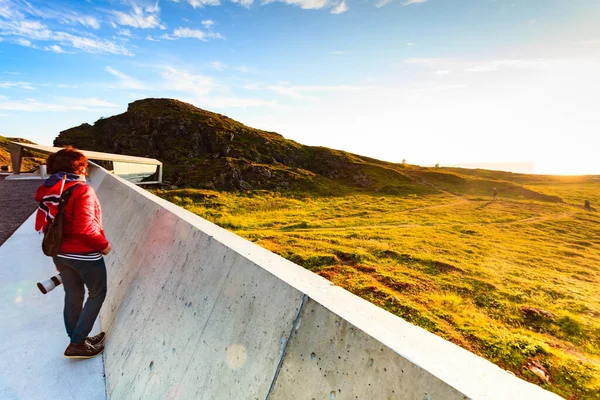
[
  {"x": 30, "y": 160},
  {"x": 206, "y": 150}
]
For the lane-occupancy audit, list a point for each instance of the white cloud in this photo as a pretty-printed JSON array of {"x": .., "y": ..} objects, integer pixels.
[
  {"x": 195, "y": 34},
  {"x": 7, "y": 10},
  {"x": 85, "y": 20},
  {"x": 308, "y": 4},
  {"x": 200, "y": 89},
  {"x": 382, "y": 3},
  {"x": 205, "y": 90},
  {"x": 24, "y": 42},
  {"x": 189, "y": 33},
  {"x": 337, "y": 6},
  {"x": 202, "y": 3},
  {"x": 245, "y": 3},
  {"x": 57, "y": 104},
  {"x": 199, "y": 85},
  {"x": 17, "y": 11},
  {"x": 125, "y": 81},
  {"x": 153, "y": 8},
  {"x": 409, "y": 2},
  {"x": 91, "y": 45},
  {"x": 139, "y": 17},
  {"x": 31, "y": 29},
  {"x": 55, "y": 48},
  {"x": 208, "y": 23},
  {"x": 152, "y": 39},
  {"x": 442, "y": 72},
  {"x": 340, "y": 8},
  {"x": 36, "y": 31},
  {"x": 124, "y": 32},
  {"x": 19, "y": 85}
]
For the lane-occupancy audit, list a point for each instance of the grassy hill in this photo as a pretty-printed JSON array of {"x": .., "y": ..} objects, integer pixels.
[
  {"x": 30, "y": 160},
  {"x": 515, "y": 280},
  {"x": 202, "y": 149}
]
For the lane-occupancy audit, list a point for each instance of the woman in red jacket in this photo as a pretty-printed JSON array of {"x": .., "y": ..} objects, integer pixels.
[{"x": 80, "y": 260}]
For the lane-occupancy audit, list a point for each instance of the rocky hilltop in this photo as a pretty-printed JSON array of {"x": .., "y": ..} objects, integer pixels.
[{"x": 203, "y": 149}]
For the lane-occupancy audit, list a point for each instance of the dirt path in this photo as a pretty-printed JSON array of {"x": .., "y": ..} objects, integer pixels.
[{"x": 383, "y": 226}]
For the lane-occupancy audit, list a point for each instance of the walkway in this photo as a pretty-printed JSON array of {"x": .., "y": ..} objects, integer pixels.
[{"x": 32, "y": 336}]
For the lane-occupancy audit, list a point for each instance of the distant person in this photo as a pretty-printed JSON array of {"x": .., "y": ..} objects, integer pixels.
[
  {"x": 495, "y": 193},
  {"x": 4, "y": 168},
  {"x": 80, "y": 260},
  {"x": 587, "y": 206}
]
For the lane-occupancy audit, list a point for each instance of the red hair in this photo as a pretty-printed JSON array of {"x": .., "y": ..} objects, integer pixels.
[{"x": 67, "y": 160}]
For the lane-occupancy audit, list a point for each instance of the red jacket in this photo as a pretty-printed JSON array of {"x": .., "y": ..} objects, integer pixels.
[{"x": 83, "y": 231}]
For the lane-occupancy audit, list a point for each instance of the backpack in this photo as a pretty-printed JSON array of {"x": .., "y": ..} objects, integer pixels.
[{"x": 53, "y": 231}]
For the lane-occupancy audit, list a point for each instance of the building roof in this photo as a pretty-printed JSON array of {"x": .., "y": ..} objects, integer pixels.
[{"x": 92, "y": 155}]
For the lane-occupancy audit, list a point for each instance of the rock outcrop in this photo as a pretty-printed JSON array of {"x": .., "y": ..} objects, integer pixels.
[{"x": 204, "y": 149}]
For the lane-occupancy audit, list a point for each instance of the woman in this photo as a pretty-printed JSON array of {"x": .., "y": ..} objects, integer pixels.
[{"x": 80, "y": 260}]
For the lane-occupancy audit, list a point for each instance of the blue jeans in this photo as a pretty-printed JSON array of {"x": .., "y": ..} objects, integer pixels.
[{"x": 75, "y": 274}]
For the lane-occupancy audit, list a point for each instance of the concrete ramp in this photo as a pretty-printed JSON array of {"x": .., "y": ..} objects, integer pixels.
[{"x": 196, "y": 312}]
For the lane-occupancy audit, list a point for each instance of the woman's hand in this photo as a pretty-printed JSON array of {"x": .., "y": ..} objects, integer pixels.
[{"x": 106, "y": 250}]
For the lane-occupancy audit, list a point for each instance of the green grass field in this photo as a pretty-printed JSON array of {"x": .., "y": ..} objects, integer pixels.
[{"x": 516, "y": 281}]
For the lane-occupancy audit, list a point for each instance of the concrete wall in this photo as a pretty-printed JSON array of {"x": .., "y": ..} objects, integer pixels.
[{"x": 196, "y": 312}]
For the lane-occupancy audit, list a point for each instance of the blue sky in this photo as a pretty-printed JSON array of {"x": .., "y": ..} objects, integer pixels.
[{"x": 430, "y": 81}]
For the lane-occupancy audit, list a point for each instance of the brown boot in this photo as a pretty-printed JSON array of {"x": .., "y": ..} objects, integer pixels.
[
  {"x": 83, "y": 350},
  {"x": 96, "y": 340}
]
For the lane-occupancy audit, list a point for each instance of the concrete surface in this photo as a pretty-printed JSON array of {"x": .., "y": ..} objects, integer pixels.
[
  {"x": 25, "y": 176},
  {"x": 328, "y": 358},
  {"x": 32, "y": 334},
  {"x": 195, "y": 312}
]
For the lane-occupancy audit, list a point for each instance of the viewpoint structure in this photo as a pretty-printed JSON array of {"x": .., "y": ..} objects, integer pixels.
[{"x": 223, "y": 318}]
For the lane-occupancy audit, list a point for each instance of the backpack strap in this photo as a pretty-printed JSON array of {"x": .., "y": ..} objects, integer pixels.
[{"x": 64, "y": 198}]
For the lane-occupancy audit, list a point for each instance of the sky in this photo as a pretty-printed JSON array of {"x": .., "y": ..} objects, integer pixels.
[{"x": 509, "y": 85}]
